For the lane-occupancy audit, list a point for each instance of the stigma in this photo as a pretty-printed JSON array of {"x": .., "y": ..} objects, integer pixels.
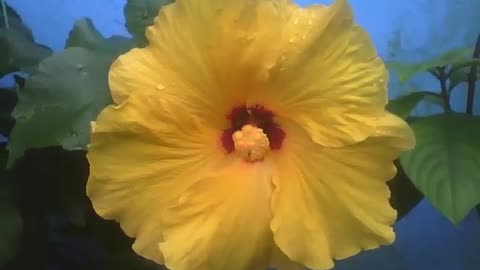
[{"x": 251, "y": 143}]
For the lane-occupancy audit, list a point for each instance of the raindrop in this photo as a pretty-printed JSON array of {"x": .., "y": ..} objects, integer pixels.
[
  {"x": 160, "y": 87},
  {"x": 80, "y": 67},
  {"x": 292, "y": 40}
]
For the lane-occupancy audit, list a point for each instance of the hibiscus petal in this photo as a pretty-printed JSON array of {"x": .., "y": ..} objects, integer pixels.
[
  {"x": 142, "y": 156},
  {"x": 135, "y": 70},
  {"x": 328, "y": 77},
  {"x": 333, "y": 202},
  {"x": 222, "y": 49},
  {"x": 222, "y": 222}
]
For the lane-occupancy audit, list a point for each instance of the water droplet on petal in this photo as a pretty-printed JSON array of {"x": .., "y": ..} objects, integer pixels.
[{"x": 160, "y": 87}]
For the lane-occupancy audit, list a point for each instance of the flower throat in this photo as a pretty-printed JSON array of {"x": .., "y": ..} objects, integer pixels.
[{"x": 252, "y": 132}]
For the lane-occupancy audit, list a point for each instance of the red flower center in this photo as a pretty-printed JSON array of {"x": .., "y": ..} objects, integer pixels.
[{"x": 257, "y": 116}]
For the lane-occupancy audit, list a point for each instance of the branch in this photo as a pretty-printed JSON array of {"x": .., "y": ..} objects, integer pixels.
[
  {"x": 442, "y": 77},
  {"x": 472, "y": 78}
]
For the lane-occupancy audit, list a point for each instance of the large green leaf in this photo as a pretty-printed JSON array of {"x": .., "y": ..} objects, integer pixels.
[
  {"x": 139, "y": 14},
  {"x": 406, "y": 71},
  {"x": 18, "y": 49},
  {"x": 444, "y": 165},
  {"x": 85, "y": 35},
  {"x": 59, "y": 100}
]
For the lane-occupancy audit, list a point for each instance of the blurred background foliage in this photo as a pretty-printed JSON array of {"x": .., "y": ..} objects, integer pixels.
[{"x": 55, "y": 84}]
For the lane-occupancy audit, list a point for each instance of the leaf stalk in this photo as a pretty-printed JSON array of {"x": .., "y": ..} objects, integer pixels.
[
  {"x": 472, "y": 78},
  {"x": 442, "y": 77}
]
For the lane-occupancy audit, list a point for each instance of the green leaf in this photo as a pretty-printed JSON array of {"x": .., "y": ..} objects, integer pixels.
[
  {"x": 139, "y": 14},
  {"x": 19, "y": 50},
  {"x": 85, "y": 35},
  {"x": 444, "y": 165},
  {"x": 459, "y": 76},
  {"x": 11, "y": 227},
  {"x": 117, "y": 45},
  {"x": 406, "y": 71},
  {"x": 15, "y": 22},
  {"x": 404, "y": 105},
  {"x": 59, "y": 100}
]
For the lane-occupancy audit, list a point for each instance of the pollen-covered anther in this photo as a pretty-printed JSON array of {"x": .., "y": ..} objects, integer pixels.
[{"x": 251, "y": 143}]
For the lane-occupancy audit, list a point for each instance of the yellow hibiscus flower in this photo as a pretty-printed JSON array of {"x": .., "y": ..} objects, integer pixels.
[{"x": 248, "y": 134}]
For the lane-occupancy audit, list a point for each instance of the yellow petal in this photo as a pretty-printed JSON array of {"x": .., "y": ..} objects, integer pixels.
[
  {"x": 142, "y": 156},
  {"x": 328, "y": 77},
  {"x": 222, "y": 49},
  {"x": 333, "y": 202},
  {"x": 135, "y": 70},
  {"x": 222, "y": 222}
]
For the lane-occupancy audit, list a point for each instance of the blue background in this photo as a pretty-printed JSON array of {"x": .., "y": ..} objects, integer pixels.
[{"x": 410, "y": 30}]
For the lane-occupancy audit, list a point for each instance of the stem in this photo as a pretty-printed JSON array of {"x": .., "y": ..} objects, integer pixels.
[
  {"x": 472, "y": 78},
  {"x": 442, "y": 77},
  {"x": 5, "y": 15},
  {"x": 434, "y": 73}
]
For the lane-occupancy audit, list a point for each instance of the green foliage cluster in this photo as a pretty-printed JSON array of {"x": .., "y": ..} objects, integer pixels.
[
  {"x": 444, "y": 165},
  {"x": 47, "y": 116}
]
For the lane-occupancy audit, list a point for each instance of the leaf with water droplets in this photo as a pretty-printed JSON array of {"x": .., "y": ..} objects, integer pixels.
[{"x": 59, "y": 101}]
